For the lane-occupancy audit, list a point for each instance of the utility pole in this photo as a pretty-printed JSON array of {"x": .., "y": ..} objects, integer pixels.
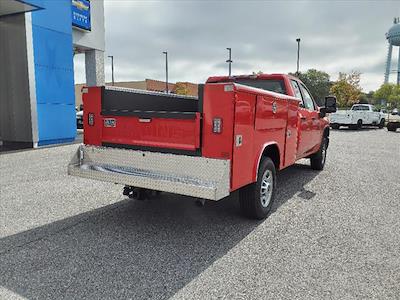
[
  {"x": 112, "y": 68},
  {"x": 298, "y": 55},
  {"x": 229, "y": 61},
  {"x": 166, "y": 71}
]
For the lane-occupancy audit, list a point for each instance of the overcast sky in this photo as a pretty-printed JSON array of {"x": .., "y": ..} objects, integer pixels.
[{"x": 336, "y": 36}]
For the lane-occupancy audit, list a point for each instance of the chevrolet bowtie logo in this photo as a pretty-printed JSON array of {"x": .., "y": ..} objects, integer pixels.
[{"x": 80, "y": 5}]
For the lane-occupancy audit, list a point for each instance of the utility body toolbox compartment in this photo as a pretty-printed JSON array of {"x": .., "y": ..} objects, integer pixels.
[{"x": 142, "y": 120}]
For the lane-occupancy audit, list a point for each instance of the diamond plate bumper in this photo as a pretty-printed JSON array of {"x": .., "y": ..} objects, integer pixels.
[{"x": 186, "y": 175}]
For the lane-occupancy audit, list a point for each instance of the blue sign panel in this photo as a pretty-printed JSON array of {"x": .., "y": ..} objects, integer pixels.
[{"x": 81, "y": 14}]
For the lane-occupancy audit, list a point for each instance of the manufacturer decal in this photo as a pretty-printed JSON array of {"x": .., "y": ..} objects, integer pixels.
[{"x": 110, "y": 123}]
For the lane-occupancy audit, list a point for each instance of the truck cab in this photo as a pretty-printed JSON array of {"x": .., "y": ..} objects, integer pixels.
[{"x": 236, "y": 135}]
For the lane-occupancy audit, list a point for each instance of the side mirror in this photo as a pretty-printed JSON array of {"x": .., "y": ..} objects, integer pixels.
[{"x": 330, "y": 104}]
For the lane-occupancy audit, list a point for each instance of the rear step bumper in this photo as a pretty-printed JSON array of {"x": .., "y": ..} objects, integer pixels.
[{"x": 186, "y": 175}]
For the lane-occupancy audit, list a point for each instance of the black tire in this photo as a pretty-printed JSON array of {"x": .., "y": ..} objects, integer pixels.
[
  {"x": 335, "y": 126},
  {"x": 391, "y": 127},
  {"x": 359, "y": 124},
  {"x": 318, "y": 159},
  {"x": 381, "y": 124},
  {"x": 252, "y": 204}
]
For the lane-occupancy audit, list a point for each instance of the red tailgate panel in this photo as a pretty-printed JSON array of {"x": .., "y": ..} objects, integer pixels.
[
  {"x": 92, "y": 106},
  {"x": 182, "y": 134}
]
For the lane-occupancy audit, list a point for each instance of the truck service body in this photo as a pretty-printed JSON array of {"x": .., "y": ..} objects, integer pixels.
[
  {"x": 235, "y": 135},
  {"x": 357, "y": 116}
]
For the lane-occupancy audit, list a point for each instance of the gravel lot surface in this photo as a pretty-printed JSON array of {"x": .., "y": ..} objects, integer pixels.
[{"x": 333, "y": 234}]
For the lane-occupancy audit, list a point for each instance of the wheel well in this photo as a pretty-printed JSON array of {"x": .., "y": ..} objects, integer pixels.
[{"x": 272, "y": 151}]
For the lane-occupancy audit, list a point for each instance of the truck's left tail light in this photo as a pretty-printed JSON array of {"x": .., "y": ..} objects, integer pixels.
[
  {"x": 217, "y": 125},
  {"x": 90, "y": 119}
]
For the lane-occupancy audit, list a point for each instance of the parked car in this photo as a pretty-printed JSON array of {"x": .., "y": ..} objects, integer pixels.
[
  {"x": 235, "y": 136},
  {"x": 393, "y": 122},
  {"x": 79, "y": 119},
  {"x": 358, "y": 116}
]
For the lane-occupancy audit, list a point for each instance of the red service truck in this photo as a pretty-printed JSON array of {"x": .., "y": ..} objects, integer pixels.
[{"x": 236, "y": 135}]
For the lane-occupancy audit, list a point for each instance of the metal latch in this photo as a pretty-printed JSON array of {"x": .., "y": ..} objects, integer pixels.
[
  {"x": 144, "y": 120},
  {"x": 238, "y": 140}
]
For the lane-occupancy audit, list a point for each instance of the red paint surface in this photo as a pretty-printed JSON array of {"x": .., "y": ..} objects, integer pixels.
[
  {"x": 182, "y": 134},
  {"x": 244, "y": 111},
  {"x": 92, "y": 104}
]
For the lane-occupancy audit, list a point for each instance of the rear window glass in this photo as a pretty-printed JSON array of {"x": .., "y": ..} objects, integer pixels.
[
  {"x": 277, "y": 86},
  {"x": 360, "y": 107}
]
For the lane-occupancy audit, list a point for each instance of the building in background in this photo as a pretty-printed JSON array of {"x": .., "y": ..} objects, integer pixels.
[
  {"x": 38, "y": 39},
  {"x": 184, "y": 88}
]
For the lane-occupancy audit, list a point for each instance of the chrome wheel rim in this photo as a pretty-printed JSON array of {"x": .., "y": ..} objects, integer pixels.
[{"x": 267, "y": 186}]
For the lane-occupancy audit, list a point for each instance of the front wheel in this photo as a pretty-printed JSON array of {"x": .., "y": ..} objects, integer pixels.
[
  {"x": 256, "y": 199},
  {"x": 318, "y": 159}
]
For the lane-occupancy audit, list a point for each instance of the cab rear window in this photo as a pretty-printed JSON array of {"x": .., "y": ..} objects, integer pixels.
[
  {"x": 272, "y": 85},
  {"x": 360, "y": 107}
]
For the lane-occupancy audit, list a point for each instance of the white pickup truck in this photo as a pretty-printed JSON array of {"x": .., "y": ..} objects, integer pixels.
[{"x": 357, "y": 116}]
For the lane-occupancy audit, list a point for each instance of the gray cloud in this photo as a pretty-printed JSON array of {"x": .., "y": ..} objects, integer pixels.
[{"x": 336, "y": 36}]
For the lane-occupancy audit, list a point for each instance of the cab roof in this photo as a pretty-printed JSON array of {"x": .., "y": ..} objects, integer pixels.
[{"x": 215, "y": 79}]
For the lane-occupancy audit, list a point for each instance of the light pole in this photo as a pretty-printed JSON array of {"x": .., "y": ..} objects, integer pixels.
[
  {"x": 229, "y": 61},
  {"x": 298, "y": 55},
  {"x": 112, "y": 68},
  {"x": 166, "y": 71}
]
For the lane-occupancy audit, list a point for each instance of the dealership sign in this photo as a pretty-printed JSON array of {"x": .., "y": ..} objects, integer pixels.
[{"x": 81, "y": 14}]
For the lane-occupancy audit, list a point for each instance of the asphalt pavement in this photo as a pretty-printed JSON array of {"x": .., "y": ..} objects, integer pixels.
[{"x": 333, "y": 234}]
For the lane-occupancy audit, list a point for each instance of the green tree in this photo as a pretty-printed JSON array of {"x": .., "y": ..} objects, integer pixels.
[
  {"x": 390, "y": 93},
  {"x": 394, "y": 98},
  {"x": 318, "y": 82},
  {"x": 347, "y": 89},
  {"x": 367, "y": 98}
]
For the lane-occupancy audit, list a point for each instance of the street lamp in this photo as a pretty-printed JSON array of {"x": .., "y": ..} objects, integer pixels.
[
  {"x": 112, "y": 68},
  {"x": 166, "y": 71},
  {"x": 229, "y": 61},
  {"x": 298, "y": 54}
]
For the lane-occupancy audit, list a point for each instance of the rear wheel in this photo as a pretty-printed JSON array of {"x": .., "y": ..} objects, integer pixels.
[
  {"x": 391, "y": 127},
  {"x": 318, "y": 159},
  {"x": 359, "y": 124},
  {"x": 256, "y": 199},
  {"x": 381, "y": 124}
]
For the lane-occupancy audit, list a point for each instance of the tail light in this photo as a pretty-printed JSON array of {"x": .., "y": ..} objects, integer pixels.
[
  {"x": 90, "y": 119},
  {"x": 217, "y": 125}
]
